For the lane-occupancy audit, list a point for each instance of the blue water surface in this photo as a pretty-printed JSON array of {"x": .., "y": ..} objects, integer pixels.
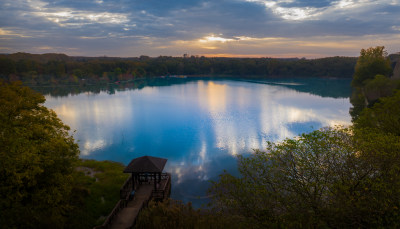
[{"x": 199, "y": 125}]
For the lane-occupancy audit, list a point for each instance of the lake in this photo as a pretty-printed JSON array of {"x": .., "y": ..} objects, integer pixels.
[{"x": 198, "y": 124}]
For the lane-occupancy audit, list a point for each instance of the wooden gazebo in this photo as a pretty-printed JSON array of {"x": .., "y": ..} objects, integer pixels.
[
  {"x": 146, "y": 168},
  {"x": 144, "y": 171}
]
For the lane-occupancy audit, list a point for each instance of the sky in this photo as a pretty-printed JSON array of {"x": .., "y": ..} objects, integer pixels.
[{"x": 232, "y": 28}]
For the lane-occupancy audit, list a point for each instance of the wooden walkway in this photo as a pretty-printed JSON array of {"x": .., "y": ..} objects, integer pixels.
[
  {"x": 126, "y": 217},
  {"x": 126, "y": 211}
]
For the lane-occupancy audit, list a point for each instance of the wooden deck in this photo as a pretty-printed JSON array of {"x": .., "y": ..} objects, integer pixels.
[
  {"x": 126, "y": 211},
  {"x": 126, "y": 217}
]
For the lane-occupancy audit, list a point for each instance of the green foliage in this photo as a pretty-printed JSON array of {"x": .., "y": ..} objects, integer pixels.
[
  {"x": 379, "y": 86},
  {"x": 175, "y": 214},
  {"x": 37, "y": 158},
  {"x": 7, "y": 66},
  {"x": 377, "y": 199},
  {"x": 96, "y": 191},
  {"x": 372, "y": 62},
  {"x": 327, "y": 178},
  {"x": 370, "y": 80},
  {"x": 56, "y": 68},
  {"x": 383, "y": 117}
]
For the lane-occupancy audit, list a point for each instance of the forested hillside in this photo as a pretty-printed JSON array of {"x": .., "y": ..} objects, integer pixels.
[{"x": 35, "y": 69}]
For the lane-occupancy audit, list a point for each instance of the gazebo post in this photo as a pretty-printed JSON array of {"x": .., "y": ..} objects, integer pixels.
[
  {"x": 155, "y": 181},
  {"x": 133, "y": 181}
]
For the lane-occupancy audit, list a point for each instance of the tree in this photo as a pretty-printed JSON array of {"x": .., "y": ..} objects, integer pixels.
[
  {"x": 175, "y": 214},
  {"x": 376, "y": 201},
  {"x": 379, "y": 86},
  {"x": 383, "y": 117},
  {"x": 369, "y": 79},
  {"x": 372, "y": 62},
  {"x": 7, "y": 66},
  {"x": 327, "y": 178},
  {"x": 37, "y": 157}
]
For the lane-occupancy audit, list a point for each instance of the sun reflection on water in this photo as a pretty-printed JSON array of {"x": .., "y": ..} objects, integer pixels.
[{"x": 199, "y": 126}]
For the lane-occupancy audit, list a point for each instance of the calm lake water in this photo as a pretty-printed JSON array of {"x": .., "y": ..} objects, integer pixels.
[{"x": 199, "y": 125}]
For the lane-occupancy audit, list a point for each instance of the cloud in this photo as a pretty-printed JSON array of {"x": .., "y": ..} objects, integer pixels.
[
  {"x": 295, "y": 10},
  {"x": 289, "y": 9},
  {"x": 67, "y": 17},
  {"x": 6, "y": 33},
  {"x": 171, "y": 27},
  {"x": 311, "y": 47}
]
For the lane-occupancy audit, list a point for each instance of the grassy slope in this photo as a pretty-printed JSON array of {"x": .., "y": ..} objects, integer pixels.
[{"x": 96, "y": 192}]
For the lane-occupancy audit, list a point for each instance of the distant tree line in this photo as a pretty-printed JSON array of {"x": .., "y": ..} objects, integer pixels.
[{"x": 35, "y": 69}]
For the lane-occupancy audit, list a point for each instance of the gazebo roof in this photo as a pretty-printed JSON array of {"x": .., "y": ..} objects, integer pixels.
[{"x": 146, "y": 164}]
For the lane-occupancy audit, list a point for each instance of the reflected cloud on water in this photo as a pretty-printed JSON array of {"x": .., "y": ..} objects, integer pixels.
[
  {"x": 259, "y": 113},
  {"x": 199, "y": 126}
]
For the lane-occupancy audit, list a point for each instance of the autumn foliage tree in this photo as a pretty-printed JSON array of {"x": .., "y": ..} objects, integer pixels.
[
  {"x": 383, "y": 117},
  {"x": 175, "y": 214},
  {"x": 37, "y": 157},
  {"x": 371, "y": 62},
  {"x": 329, "y": 178},
  {"x": 371, "y": 79}
]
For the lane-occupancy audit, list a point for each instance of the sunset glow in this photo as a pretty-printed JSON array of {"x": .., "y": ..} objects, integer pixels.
[{"x": 240, "y": 28}]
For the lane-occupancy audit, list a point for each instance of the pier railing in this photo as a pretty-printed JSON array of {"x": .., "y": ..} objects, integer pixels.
[
  {"x": 126, "y": 188},
  {"x": 159, "y": 193},
  {"x": 165, "y": 190},
  {"x": 118, "y": 207}
]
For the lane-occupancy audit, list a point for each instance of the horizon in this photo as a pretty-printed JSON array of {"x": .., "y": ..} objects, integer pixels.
[
  {"x": 183, "y": 56},
  {"x": 235, "y": 28}
]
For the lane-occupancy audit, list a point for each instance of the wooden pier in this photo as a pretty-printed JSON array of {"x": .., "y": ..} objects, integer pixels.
[{"x": 147, "y": 182}]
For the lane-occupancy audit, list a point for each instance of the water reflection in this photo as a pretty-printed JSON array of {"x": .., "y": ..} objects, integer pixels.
[
  {"x": 212, "y": 96},
  {"x": 199, "y": 125}
]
